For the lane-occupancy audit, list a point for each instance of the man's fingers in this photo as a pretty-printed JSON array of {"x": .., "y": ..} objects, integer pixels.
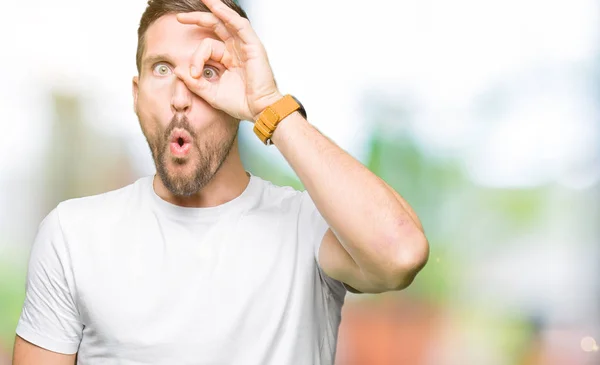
[
  {"x": 206, "y": 20},
  {"x": 194, "y": 77},
  {"x": 209, "y": 49},
  {"x": 237, "y": 24}
]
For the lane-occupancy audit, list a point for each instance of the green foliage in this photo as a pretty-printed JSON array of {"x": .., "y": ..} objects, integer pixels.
[
  {"x": 510, "y": 336},
  {"x": 12, "y": 294},
  {"x": 520, "y": 208}
]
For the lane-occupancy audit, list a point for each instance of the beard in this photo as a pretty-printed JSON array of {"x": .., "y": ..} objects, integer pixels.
[{"x": 207, "y": 156}]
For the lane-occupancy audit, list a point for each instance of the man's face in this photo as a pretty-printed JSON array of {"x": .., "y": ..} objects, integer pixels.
[{"x": 188, "y": 138}]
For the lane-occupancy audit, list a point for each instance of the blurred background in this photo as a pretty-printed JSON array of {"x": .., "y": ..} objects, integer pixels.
[{"x": 484, "y": 115}]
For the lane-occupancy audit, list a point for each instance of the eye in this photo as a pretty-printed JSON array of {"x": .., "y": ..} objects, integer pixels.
[
  {"x": 162, "y": 69},
  {"x": 209, "y": 72}
]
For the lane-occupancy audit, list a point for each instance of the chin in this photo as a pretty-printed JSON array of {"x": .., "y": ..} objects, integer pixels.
[
  {"x": 182, "y": 185},
  {"x": 180, "y": 180}
]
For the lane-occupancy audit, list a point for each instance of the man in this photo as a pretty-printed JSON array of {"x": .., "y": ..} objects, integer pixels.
[{"x": 205, "y": 263}]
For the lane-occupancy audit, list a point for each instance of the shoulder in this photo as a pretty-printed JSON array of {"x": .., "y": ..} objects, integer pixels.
[
  {"x": 279, "y": 197},
  {"x": 100, "y": 208},
  {"x": 289, "y": 202}
]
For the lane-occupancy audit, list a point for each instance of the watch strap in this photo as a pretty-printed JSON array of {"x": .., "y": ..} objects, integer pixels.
[{"x": 267, "y": 121}]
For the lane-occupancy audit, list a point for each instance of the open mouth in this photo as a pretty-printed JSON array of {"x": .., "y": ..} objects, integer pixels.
[{"x": 180, "y": 142}]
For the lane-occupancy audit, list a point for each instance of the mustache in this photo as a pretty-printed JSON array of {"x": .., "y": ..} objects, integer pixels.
[{"x": 179, "y": 122}]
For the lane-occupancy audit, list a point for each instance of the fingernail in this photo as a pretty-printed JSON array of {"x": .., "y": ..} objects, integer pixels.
[{"x": 194, "y": 71}]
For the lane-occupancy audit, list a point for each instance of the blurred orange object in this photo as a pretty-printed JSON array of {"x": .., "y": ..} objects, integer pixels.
[{"x": 387, "y": 330}]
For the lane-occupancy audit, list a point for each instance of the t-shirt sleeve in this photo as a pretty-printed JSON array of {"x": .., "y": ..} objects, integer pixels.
[
  {"x": 49, "y": 318},
  {"x": 315, "y": 227}
]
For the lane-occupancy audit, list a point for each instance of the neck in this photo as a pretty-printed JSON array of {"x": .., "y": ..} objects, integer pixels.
[{"x": 227, "y": 184}]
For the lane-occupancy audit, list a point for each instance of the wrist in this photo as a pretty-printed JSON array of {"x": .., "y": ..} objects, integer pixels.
[
  {"x": 266, "y": 102},
  {"x": 266, "y": 123},
  {"x": 288, "y": 127}
]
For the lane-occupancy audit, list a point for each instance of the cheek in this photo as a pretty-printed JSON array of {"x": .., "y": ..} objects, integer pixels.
[
  {"x": 153, "y": 105},
  {"x": 154, "y": 95}
]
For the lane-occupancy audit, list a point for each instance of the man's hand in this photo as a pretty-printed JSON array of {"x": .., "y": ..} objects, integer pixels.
[{"x": 247, "y": 87}]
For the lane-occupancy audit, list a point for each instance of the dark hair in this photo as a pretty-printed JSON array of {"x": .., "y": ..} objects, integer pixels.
[{"x": 159, "y": 8}]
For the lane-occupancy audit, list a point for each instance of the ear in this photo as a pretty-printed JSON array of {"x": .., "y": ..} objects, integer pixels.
[{"x": 135, "y": 90}]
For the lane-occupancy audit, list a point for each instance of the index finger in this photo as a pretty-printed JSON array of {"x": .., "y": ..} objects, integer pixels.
[
  {"x": 206, "y": 20},
  {"x": 234, "y": 21}
]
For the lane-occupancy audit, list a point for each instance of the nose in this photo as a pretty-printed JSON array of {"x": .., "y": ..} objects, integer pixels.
[{"x": 181, "y": 99}]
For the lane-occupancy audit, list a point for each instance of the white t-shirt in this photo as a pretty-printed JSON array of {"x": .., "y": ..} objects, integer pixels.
[{"x": 127, "y": 278}]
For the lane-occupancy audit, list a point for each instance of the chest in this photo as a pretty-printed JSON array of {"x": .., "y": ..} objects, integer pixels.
[{"x": 155, "y": 283}]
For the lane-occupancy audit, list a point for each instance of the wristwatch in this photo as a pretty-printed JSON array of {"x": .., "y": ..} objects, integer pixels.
[{"x": 267, "y": 121}]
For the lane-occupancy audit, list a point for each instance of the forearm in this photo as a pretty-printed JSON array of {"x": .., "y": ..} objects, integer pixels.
[{"x": 374, "y": 224}]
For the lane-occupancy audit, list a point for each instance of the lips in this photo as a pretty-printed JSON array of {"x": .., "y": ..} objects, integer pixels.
[{"x": 180, "y": 142}]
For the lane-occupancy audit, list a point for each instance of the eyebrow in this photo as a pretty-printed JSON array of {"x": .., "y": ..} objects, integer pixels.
[{"x": 152, "y": 59}]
